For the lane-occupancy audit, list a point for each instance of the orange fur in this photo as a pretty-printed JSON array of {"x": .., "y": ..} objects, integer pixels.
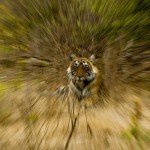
[{"x": 86, "y": 93}]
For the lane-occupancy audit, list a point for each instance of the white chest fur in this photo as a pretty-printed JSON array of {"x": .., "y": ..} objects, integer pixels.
[{"x": 79, "y": 93}]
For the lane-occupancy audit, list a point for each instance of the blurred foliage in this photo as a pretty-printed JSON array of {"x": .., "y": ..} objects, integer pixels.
[
  {"x": 33, "y": 117},
  {"x": 50, "y": 30},
  {"x": 78, "y": 22},
  {"x": 3, "y": 86},
  {"x": 36, "y": 38}
]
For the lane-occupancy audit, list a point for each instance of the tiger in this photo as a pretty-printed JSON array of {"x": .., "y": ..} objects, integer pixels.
[{"x": 84, "y": 79}]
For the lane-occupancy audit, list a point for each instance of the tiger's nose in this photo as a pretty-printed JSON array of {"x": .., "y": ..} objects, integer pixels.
[
  {"x": 80, "y": 71},
  {"x": 79, "y": 74},
  {"x": 80, "y": 77}
]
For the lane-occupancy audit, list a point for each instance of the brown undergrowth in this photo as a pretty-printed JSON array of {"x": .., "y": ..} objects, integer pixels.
[
  {"x": 35, "y": 118},
  {"x": 37, "y": 38}
]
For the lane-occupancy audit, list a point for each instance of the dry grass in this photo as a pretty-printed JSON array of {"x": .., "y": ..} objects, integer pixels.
[
  {"x": 37, "y": 39},
  {"x": 32, "y": 119}
]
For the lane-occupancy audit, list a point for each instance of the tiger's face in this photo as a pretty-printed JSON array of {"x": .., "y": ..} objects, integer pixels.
[{"x": 81, "y": 69}]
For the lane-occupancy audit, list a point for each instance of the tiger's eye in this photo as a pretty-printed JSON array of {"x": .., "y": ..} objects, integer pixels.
[
  {"x": 86, "y": 66},
  {"x": 75, "y": 65},
  {"x": 75, "y": 68}
]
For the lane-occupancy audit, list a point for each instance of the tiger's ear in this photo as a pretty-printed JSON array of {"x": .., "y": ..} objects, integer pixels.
[
  {"x": 92, "y": 58},
  {"x": 72, "y": 57}
]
